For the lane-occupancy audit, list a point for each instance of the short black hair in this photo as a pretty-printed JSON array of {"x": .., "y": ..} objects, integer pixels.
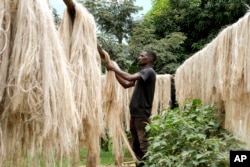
[{"x": 151, "y": 54}]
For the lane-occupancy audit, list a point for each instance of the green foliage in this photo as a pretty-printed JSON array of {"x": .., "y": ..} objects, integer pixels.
[
  {"x": 196, "y": 22},
  {"x": 174, "y": 29},
  {"x": 57, "y": 18},
  {"x": 189, "y": 137},
  {"x": 118, "y": 52},
  {"x": 113, "y": 17},
  {"x": 168, "y": 49},
  {"x": 199, "y": 20},
  {"x": 158, "y": 7},
  {"x": 115, "y": 22},
  {"x": 106, "y": 157}
]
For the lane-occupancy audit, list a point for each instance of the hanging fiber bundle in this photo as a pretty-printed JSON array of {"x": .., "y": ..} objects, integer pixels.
[
  {"x": 38, "y": 114},
  {"x": 80, "y": 43},
  {"x": 115, "y": 113},
  {"x": 219, "y": 75}
]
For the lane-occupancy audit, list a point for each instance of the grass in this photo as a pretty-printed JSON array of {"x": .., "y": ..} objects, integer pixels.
[{"x": 106, "y": 157}]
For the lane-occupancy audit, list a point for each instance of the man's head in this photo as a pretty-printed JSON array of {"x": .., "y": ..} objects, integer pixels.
[{"x": 147, "y": 57}]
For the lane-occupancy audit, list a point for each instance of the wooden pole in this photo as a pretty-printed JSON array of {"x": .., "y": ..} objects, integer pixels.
[{"x": 71, "y": 8}]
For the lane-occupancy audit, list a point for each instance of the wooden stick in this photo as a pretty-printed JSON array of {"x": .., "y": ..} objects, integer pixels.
[
  {"x": 71, "y": 8},
  {"x": 101, "y": 53}
]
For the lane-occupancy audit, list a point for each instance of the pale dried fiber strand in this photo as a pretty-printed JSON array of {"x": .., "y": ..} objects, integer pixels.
[
  {"x": 193, "y": 78},
  {"x": 4, "y": 44},
  {"x": 164, "y": 91},
  {"x": 194, "y": 73},
  {"x": 246, "y": 25},
  {"x": 183, "y": 80},
  {"x": 219, "y": 75},
  {"x": 238, "y": 118},
  {"x": 80, "y": 42},
  {"x": 156, "y": 99},
  {"x": 126, "y": 95},
  {"x": 103, "y": 54},
  {"x": 3, "y": 51},
  {"x": 223, "y": 67},
  {"x": 237, "y": 113},
  {"x": 114, "y": 114},
  {"x": 126, "y": 101},
  {"x": 3, "y": 38},
  {"x": 202, "y": 85},
  {"x": 39, "y": 114},
  {"x": 4, "y": 58},
  {"x": 209, "y": 78},
  {"x": 240, "y": 57}
]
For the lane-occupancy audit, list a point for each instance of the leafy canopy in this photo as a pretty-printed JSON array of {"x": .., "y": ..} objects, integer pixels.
[{"x": 114, "y": 17}]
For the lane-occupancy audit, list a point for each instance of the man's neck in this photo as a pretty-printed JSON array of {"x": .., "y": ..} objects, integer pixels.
[{"x": 147, "y": 66}]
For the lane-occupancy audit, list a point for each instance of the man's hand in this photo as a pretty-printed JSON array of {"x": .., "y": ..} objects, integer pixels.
[{"x": 110, "y": 66}]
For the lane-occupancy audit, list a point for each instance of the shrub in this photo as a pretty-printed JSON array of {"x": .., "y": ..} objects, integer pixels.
[{"x": 189, "y": 137}]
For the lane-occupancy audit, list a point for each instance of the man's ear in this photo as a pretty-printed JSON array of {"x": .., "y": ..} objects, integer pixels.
[{"x": 150, "y": 59}]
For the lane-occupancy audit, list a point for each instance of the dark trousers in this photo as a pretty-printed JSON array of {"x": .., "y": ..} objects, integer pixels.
[{"x": 139, "y": 141}]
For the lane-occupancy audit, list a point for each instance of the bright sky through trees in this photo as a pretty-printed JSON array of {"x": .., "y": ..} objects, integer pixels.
[{"x": 60, "y": 6}]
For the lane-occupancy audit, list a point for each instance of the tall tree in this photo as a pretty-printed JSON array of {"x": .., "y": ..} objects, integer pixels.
[
  {"x": 199, "y": 20},
  {"x": 169, "y": 49},
  {"x": 113, "y": 17}
]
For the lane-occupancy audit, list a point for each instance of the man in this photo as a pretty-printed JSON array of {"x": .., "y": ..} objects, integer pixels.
[{"x": 142, "y": 98}]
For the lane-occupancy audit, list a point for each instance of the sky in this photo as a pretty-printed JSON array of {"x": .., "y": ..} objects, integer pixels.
[{"x": 60, "y": 6}]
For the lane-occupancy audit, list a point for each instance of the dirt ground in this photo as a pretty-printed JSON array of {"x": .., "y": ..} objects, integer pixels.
[
  {"x": 126, "y": 164},
  {"x": 133, "y": 165}
]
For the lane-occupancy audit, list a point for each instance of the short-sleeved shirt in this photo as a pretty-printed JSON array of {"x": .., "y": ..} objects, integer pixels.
[{"x": 143, "y": 95}]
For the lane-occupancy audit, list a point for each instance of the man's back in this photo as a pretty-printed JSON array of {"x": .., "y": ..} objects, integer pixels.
[{"x": 143, "y": 95}]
